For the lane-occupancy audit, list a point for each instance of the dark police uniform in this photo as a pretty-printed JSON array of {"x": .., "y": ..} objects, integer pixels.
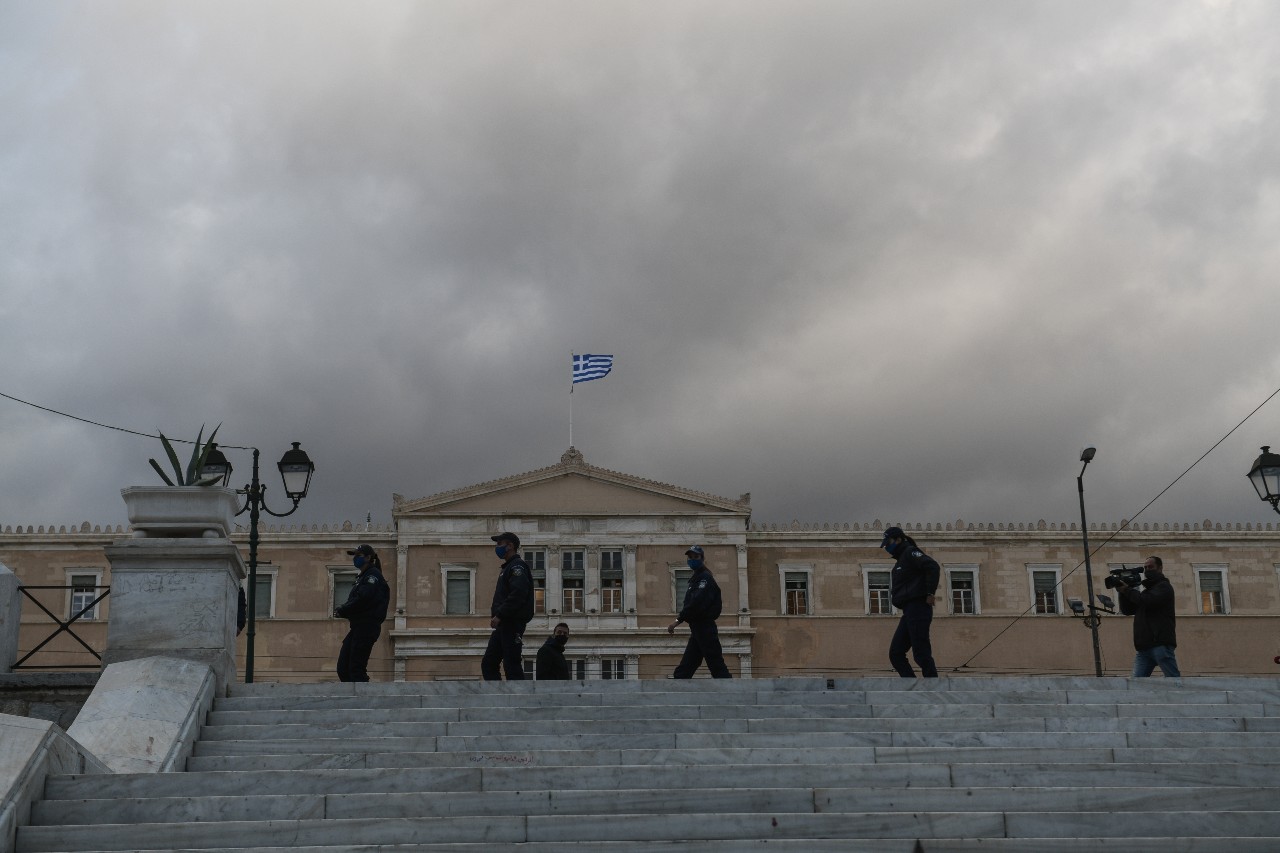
[
  {"x": 915, "y": 577},
  {"x": 513, "y": 605},
  {"x": 550, "y": 664},
  {"x": 701, "y": 609},
  {"x": 365, "y": 608}
]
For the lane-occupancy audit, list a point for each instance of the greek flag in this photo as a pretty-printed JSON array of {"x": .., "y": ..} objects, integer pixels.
[{"x": 588, "y": 367}]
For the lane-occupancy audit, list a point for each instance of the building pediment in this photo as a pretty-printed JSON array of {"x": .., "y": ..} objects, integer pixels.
[{"x": 571, "y": 488}]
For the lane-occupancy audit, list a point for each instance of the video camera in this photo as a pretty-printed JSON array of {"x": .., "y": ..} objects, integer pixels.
[{"x": 1123, "y": 575}]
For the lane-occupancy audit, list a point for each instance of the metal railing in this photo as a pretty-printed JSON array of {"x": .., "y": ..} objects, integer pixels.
[{"x": 63, "y": 626}]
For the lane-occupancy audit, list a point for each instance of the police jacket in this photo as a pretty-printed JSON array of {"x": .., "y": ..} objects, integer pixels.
[
  {"x": 513, "y": 596},
  {"x": 367, "y": 602},
  {"x": 701, "y": 598},
  {"x": 1152, "y": 612},
  {"x": 550, "y": 664},
  {"x": 915, "y": 575}
]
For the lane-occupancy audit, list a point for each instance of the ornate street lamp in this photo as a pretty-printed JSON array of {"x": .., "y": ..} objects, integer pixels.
[
  {"x": 296, "y": 469},
  {"x": 1092, "y": 620},
  {"x": 1265, "y": 476}
]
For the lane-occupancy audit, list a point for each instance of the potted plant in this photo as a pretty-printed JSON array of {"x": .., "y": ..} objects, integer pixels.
[{"x": 187, "y": 505}]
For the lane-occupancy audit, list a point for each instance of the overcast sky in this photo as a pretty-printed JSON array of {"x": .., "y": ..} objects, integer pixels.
[{"x": 861, "y": 259}]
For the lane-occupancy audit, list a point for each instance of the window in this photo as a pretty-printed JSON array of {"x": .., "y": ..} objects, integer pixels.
[
  {"x": 537, "y": 561},
  {"x": 84, "y": 589},
  {"x": 458, "y": 582},
  {"x": 610, "y": 581},
  {"x": 1044, "y": 588},
  {"x": 573, "y": 577},
  {"x": 578, "y": 669},
  {"x": 264, "y": 601},
  {"x": 797, "y": 593},
  {"x": 613, "y": 669},
  {"x": 341, "y": 580},
  {"x": 877, "y": 589},
  {"x": 1211, "y": 584},
  {"x": 679, "y": 586},
  {"x": 962, "y": 589}
]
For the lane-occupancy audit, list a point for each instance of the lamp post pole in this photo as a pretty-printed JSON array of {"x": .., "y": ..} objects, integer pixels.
[
  {"x": 1086, "y": 456},
  {"x": 296, "y": 469}
]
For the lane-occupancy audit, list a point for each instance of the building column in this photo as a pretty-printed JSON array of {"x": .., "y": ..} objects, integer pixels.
[
  {"x": 744, "y": 607},
  {"x": 402, "y": 586},
  {"x": 629, "y": 586}
]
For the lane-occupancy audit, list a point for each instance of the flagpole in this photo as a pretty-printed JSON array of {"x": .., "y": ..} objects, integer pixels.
[{"x": 572, "y": 355}]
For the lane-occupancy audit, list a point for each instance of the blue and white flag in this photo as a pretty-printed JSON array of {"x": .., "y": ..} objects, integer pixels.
[{"x": 588, "y": 367}]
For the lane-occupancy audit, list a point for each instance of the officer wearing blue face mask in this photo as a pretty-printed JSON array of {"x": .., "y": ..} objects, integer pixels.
[
  {"x": 701, "y": 609},
  {"x": 914, "y": 582},
  {"x": 365, "y": 609},
  {"x": 510, "y": 612}
]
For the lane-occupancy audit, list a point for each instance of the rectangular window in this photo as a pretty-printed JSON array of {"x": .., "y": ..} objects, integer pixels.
[
  {"x": 610, "y": 581},
  {"x": 578, "y": 669},
  {"x": 537, "y": 561},
  {"x": 1212, "y": 591},
  {"x": 262, "y": 595},
  {"x": 797, "y": 591},
  {"x": 878, "y": 594},
  {"x": 1045, "y": 586},
  {"x": 457, "y": 595},
  {"x": 614, "y": 669},
  {"x": 84, "y": 589},
  {"x": 680, "y": 585},
  {"x": 343, "y": 581},
  {"x": 573, "y": 579},
  {"x": 962, "y": 592}
]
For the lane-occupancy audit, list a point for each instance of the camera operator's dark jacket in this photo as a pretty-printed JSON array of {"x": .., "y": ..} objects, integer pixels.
[
  {"x": 701, "y": 598},
  {"x": 367, "y": 602},
  {"x": 513, "y": 596},
  {"x": 550, "y": 664},
  {"x": 915, "y": 575},
  {"x": 1152, "y": 612}
]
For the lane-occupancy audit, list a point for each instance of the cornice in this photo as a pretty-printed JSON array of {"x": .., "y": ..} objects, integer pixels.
[{"x": 572, "y": 462}]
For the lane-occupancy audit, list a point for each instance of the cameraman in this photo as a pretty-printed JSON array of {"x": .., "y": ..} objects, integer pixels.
[{"x": 1153, "y": 620}]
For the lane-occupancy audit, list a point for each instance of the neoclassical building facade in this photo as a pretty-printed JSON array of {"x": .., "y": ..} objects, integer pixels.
[{"x": 607, "y": 553}]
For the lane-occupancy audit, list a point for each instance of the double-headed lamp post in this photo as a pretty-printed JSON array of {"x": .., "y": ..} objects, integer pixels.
[
  {"x": 1265, "y": 476},
  {"x": 296, "y": 469},
  {"x": 1092, "y": 620}
]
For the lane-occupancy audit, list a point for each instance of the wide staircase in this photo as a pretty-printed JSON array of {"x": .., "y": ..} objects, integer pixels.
[{"x": 1026, "y": 764}]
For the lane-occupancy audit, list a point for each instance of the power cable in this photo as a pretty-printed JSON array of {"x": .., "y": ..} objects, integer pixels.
[{"x": 1121, "y": 528}]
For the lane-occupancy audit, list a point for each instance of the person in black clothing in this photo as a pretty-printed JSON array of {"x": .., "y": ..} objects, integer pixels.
[
  {"x": 914, "y": 581},
  {"x": 701, "y": 609},
  {"x": 365, "y": 608},
  {"x": 1151, "y": 607},
  {"x": 511, "y": 610},
  {"x": 550, "y": 664}
]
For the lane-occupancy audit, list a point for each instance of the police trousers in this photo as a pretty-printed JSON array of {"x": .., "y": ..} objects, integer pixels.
[{"x": 704, "y": 644}]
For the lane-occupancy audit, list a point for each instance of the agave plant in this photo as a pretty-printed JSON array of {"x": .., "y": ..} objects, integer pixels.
[{"x": 191, "y": 476}]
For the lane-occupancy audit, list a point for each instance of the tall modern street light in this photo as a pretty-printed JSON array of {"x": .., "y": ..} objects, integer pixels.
[
  {"x": 1092, "y": 620},
  {"x": 296, "y": 469},
  {"x": 1265, "y": 476}
]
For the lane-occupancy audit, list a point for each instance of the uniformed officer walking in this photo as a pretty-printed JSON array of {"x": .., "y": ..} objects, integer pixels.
[
  {"x": 701, "y": 609},
  {"x": 511, "y": 610},
  {"x": 914, "y": 582},
  {"x": 365, "y": 609}
]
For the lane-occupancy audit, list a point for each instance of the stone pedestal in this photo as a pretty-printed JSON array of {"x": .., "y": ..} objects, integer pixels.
[
  {"x": 175, "y": 598},
  {"x": 10, "y": 612}
]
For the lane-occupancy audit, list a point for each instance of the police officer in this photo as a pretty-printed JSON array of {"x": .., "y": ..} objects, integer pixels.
[
  {"x": 550, "y": 664},
  {"x": 701, "y": 609},
  {"x": 914, "y": 581},
  {"x": 365, "y": 608},
  {"x": 511, "y": 610}
]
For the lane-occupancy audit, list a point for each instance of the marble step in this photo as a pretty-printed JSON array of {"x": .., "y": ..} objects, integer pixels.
[
  {"x": 809, "y": 845},
  {"x": 665, "y": 800},
  {"x": 743, "y": 756},
  {"x": 312, "y": 743},
  {"x": 327, "y": 729},
  {"x": 565, "y": 828},
  {"x": 552, "y": 713}
]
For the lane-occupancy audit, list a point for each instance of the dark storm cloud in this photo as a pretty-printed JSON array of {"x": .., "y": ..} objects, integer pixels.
[{"x": 860, "y": 260}]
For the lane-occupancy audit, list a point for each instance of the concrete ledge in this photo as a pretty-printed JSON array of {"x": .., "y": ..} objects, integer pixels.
[
  {"x": 145, "y": 714},
  {"x": 31, "y": 750}
]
